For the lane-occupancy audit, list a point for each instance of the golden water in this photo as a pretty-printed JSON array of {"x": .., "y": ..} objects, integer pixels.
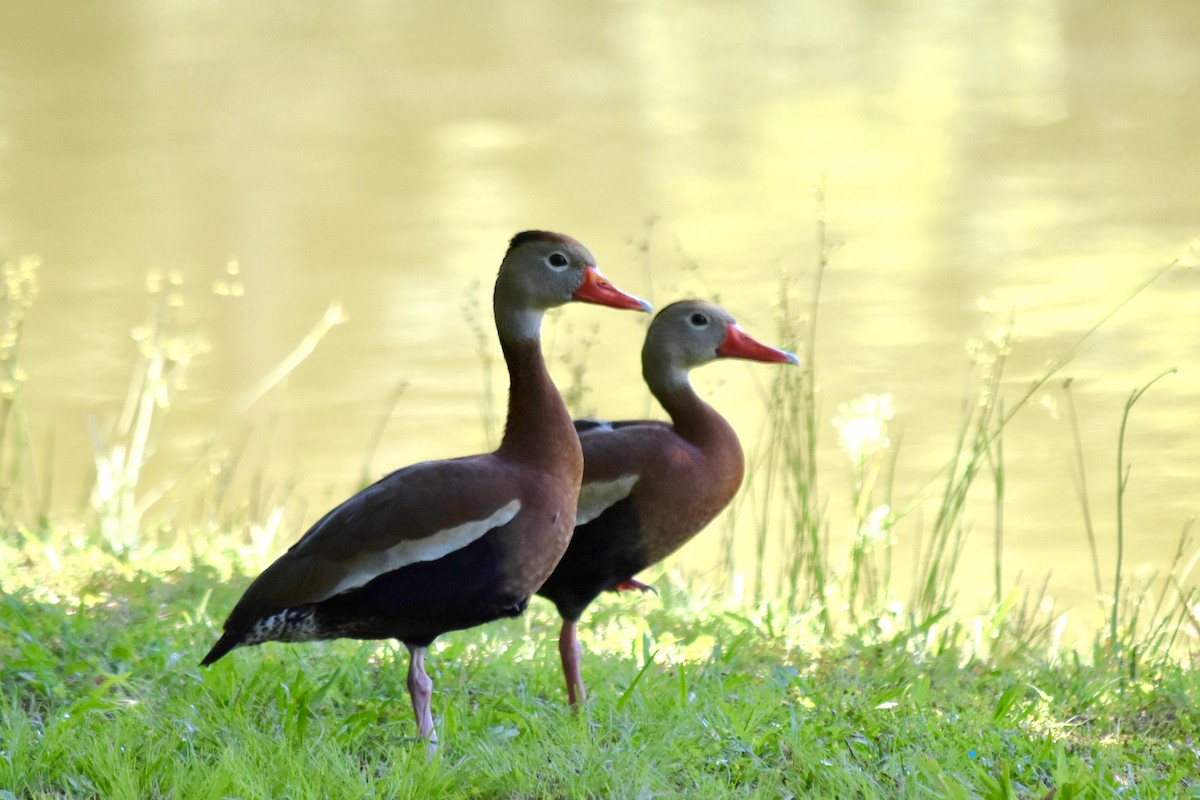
[{"x": 1036, "y": 156}]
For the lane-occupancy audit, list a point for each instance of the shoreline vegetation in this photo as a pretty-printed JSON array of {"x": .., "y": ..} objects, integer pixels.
[{"x": 820, "y": 673}]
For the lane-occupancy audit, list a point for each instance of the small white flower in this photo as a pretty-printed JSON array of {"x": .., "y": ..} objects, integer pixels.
[
  {"x": 876, "y": 528},
  {"x": 862, "y": 425}
]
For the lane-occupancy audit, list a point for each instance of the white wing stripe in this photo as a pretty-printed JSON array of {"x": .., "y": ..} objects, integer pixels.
[
  {"x": 595, "y": 498},
  {"x": 429, "y": 548}
]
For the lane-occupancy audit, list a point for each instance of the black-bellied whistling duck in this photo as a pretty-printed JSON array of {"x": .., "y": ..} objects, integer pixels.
[
  {"x": 445, "y": 545},
  {"x": 650, "y": 486}
]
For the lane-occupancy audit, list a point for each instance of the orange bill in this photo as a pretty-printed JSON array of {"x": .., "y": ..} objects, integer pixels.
[
  {"x": 739, "y": 344},
  {"x": 597, "y": 289}
]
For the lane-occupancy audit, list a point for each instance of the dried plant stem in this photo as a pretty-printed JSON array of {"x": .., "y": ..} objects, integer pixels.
[
  {"x": 332, "y": 317},
  {"x": 1081, "y": 491},
  {"x": 381, "y": 424}
]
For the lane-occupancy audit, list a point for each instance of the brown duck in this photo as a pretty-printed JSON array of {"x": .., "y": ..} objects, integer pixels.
[
  {"x": 650, "y": 486},
  {"x": 445, "y": 545}
]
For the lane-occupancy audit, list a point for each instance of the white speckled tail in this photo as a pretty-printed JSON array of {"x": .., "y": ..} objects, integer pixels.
[{"x": 289, "y": 625}]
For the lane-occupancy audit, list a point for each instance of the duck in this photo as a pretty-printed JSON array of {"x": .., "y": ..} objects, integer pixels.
[
  {"x": 446, "y": 545},
  {"x": 650, "y": 486}
]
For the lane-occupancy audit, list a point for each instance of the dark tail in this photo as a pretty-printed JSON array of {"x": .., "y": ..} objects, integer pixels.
[{"x": 223, "y": 646}]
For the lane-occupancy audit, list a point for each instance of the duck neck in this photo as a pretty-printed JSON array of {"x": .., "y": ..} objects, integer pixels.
[
  {"x": 693, "y": 419},
  {"x": 537, "y": 427}
]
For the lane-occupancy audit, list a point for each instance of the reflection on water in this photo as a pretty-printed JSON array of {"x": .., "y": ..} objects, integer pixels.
[{"x": 1038, "y": 154}]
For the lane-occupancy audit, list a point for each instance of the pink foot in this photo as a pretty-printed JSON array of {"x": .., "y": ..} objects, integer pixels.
[
  {"x": 633, "y": 583},
  {"x": 420, "y": 690}
]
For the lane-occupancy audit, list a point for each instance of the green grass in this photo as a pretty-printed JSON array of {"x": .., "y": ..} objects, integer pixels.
[
  {"x": 851, "y": 685},
  {"x": 101, "y": 696}
]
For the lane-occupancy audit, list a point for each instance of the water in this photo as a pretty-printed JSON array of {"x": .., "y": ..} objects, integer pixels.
[{"x": 1039, "y": 155}]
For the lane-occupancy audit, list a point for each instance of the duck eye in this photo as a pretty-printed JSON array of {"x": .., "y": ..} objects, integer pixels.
[
  {"x": 557, "y": 261},
  {"x": 698, "y": 320}
]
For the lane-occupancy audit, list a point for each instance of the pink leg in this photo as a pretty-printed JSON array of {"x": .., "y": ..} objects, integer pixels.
[
  {"x": 571, "y": 653},
  {"x": 420, "y": 689},
  {"x": 633, "y": 583}
]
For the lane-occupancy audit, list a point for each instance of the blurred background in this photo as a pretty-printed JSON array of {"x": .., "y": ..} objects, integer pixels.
[{"x": 980, "y": 163}]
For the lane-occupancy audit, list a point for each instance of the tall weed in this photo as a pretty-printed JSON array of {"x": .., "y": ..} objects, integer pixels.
[
  {"x": 859, "y": 586},
  {"x": 21, "y": 497}
]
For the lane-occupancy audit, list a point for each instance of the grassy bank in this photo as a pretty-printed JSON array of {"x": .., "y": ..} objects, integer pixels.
[
  {"x": 690, "y": 696},
  {"x": 833, "y": 677}
]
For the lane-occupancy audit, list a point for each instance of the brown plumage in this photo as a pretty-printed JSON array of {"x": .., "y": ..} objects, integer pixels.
[
  {"x": 648, "y": 487},
  {"x": 445, "y": 545}
]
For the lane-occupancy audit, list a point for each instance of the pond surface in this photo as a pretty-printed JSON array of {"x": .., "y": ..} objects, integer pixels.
[{"x": 1034, "y": 159}]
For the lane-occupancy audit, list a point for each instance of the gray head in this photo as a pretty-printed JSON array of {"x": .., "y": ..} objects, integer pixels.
[
  {"x": 542, "y": 270},
  {"x": 690, "y": 333}
]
